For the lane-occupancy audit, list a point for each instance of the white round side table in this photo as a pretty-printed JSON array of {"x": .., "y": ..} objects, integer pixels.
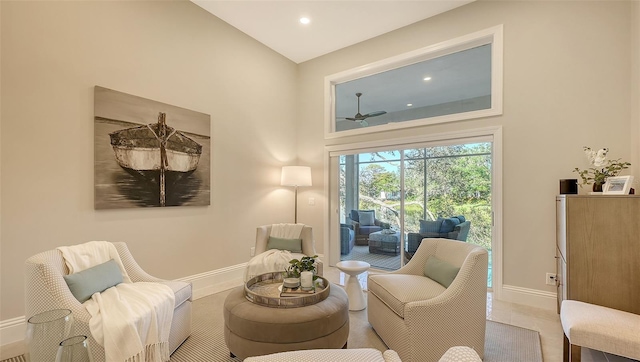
[{"x": 354, "y": 268}]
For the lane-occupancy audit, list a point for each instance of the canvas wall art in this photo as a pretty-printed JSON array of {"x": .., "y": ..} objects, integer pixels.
[{"x": 148, "y": 153}]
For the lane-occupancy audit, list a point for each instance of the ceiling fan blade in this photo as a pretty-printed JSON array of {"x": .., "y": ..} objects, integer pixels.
[
  {"x": 374, "y": 114},
  {"x": 364, "y": 123}
]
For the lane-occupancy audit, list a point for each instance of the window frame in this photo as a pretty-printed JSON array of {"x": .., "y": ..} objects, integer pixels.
[{"x": 491, "y": 36}]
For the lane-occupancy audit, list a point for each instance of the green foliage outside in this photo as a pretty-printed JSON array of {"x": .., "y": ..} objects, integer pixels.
[{"x": 458, "y": 180}]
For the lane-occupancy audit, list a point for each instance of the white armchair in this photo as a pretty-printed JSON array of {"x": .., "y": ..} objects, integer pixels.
[
  {"x": 420, "y": 318},
  {"x": 308, "y": 245},
  {"x": 46, "y": 289}
]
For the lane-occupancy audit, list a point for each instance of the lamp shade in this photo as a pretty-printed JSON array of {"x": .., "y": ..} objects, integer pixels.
[{"x": 296, "y": 176}]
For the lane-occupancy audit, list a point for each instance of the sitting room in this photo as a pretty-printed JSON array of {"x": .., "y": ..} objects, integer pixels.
[{"x": 433, "y": 222}]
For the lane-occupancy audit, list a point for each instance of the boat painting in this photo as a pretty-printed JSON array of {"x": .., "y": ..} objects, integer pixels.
[
  {"x": 148, "y": 153},
  {"x": 156, "y": 147},
  {"x": 139, "y": 148}
]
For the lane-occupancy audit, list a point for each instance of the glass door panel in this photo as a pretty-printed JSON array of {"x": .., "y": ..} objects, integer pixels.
[{"x": 405, "y": 189}]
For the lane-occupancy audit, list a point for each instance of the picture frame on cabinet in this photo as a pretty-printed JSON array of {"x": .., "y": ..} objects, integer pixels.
[{"x": 618, "y": 185}]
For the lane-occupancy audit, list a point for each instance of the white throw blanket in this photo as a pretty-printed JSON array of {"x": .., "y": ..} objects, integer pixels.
[
  {"x": 274, "y": 260},
  {"x": 131, "y": 320},
  {"x": 84, "y": 256},
  {"x": 286, "y": 231}
]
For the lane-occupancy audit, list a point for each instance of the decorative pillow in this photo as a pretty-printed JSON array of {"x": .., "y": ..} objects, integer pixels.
[
  {"x": 428, "y": 226},
  {"x": 366, "y": 218},
  {"x": 461, "y": 218},
  {"x": 449, "y": 224},
  {"x": 96, "y": 279},
  {"x": 293, "y": 245},
  {"x": 440, "y": 271}
]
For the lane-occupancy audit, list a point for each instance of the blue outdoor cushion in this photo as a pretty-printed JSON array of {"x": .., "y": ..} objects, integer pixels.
[
  {"x": 428, "y": 226},
  {"x": 449, "y": 224},
  {"x": 96, "y": 279},
  {"x": 366, "y": 218},
  {"x": 356, "y": 217},
  {"x": 461, "y": 218}
]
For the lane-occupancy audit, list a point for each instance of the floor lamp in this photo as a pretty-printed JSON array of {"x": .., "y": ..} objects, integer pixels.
[{"x": 296, "y": 176}]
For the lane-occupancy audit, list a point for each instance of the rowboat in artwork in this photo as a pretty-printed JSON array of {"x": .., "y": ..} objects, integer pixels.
[{"x": 155, "y": 148}]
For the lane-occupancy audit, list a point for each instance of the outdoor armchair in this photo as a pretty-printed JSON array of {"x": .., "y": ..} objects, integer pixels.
[
  {"x": 455, "y": 228},
  {"x": 419, "y": 317},
  {"x": 347, "y": 239},
  {"x": 364, "y": 223}
]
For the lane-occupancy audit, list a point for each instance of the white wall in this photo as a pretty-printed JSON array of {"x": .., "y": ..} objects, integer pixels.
[
  {"x": 635, "y": 86},
  {"x": 567, "y": 84},
  {"x": 55, "y": 52}
]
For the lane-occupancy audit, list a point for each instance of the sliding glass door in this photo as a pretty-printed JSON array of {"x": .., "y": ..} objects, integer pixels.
[{"x": 389, "y": 199}]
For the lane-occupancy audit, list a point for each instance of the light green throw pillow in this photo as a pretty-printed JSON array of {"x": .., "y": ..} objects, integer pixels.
[
  {"x": 293, "y": 245},
  {"x": 94, "y": 280},
  {"x": 440, "y": 271}
]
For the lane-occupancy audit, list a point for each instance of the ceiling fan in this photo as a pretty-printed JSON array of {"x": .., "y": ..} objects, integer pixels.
[{"x": 361, "y": 117}]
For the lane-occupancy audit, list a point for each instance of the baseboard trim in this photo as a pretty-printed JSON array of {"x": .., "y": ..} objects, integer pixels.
[
  {"x": 531, "y": 297},
  {"x": 204, "y": 284},
  {"x": 215, "y": 281}
]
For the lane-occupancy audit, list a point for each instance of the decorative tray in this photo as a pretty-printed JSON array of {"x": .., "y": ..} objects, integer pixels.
[{"x": 263, "y": 290}]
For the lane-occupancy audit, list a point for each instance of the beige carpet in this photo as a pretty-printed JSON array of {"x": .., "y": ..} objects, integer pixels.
[{"x": 504, "y": 343}]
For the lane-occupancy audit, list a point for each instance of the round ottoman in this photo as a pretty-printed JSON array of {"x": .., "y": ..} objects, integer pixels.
[{"x": 253, "y": 330}]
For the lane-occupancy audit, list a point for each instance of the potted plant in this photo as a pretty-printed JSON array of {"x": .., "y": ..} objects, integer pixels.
[
  {"x": 305, "y": 269},
  {"x": 602, "y": 169},
  {"x": 296, "y": 267}
]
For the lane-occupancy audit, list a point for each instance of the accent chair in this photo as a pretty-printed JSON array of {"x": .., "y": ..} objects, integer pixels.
[
  {"x": 308, "y": 245},
  {"x": 435, "y": 302},
  {"x": 46, "y": 289}
]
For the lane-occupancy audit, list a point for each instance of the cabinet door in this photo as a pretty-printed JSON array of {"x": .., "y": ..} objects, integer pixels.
[{"x": 603, "y": 251}]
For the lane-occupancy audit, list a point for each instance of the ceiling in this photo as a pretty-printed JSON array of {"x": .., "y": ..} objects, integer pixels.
[{"x": 334, "y": 24}]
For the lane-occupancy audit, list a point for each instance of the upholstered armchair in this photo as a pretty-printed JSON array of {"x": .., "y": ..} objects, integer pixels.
[
  {"x": 455, "y": 228},
  {"x": 308, "y": 247},
  {"x": 347, "y": 239},
  {"x": 46, "y": 289},
  {"x": 365, "y": 226},
  {"x": 429, "y": 305}
]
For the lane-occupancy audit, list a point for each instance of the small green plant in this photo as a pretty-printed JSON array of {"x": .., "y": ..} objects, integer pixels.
[{"x": 306, "y": 263}]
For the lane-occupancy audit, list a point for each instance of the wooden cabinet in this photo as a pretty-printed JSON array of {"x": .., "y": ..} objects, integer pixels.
[{"x": 598, "y": 250}]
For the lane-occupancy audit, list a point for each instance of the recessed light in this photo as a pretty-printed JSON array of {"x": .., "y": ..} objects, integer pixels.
[
  {"x": 409, "y": 104},
  {"x": 427, "y": 78},
  {"x": 305, "y": 21}
]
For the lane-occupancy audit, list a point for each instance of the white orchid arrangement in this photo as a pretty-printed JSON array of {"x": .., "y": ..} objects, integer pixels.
[{"x": 602, "y": 168}]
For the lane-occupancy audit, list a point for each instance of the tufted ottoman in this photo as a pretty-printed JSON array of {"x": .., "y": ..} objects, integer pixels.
[{"x": 253, "y": 330}]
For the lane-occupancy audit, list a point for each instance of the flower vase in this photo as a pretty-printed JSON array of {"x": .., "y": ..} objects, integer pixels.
[
  {"x": 44, "y": 333},
  {"x": 306, "y": 280},
  {"x": 597, "y": 187},
  {"x": 74, "y": 349}
]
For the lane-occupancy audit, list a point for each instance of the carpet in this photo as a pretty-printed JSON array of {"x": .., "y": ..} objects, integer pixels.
[{"x": 504, "y": 343}]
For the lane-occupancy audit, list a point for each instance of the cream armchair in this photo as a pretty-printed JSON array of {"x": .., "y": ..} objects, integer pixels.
[
  {"x": 421, "y": 319},
  {"x": 45, "y": 289},
  {"x": 308, "y": 244}
]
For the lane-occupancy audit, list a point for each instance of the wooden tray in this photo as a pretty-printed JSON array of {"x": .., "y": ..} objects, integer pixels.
[{"x": 263, "y": 290}]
